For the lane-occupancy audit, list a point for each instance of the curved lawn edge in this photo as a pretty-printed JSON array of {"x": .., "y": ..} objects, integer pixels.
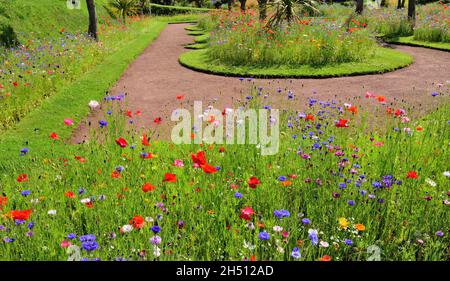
[
  {"x": 409, "y": 41},
  {"x": 385, "y": 60}
]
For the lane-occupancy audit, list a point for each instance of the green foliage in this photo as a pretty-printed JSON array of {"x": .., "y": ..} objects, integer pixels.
[
  {"x": 122, "y": 8},
  {"x": 8, "y": 37},
  {"x": 290, "y": 10},
  {"x": 163, "y": 10},
  {"x": 243, "y": 40}
]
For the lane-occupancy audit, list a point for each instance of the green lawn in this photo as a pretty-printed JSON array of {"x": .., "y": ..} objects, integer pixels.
[
  {"x": 411, "y": 42},
  {"x": 385, "y": 60}
]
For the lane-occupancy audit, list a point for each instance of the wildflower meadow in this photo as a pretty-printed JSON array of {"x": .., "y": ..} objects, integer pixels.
[{"x": 90, "y": 169}]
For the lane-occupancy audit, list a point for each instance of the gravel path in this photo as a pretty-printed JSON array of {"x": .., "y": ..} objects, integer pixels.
[{"x": 154, "y": 80}]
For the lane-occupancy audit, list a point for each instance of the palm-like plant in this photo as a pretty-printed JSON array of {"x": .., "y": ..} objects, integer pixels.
[
  {"x": 289, "y": 10},
  {"x": 122, "y": 8}
]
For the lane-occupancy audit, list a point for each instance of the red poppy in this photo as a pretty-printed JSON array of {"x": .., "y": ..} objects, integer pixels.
[
  {"x": 145, "y": 140},
  {"x": 62, "y": 30},
  {"x": 252, "y": 258},
  {"x": 54, "y": 136},
  {"x": 22, "y": 178},
  {"x": 80, "y": 158},
  {"x": 137, "y": 222},
  {"x": 199, "y": 158},
  {"x": 148, "y": 187},
  {"x": 221, "y": 149},
  {"x": 115, "y": 174},
  {"x": 69, "y": 194},
  {"x": 253, "y": 182},
  {"x": 381, "y": 98},
  {"x": 353, "y": 109},
  {"x": 129, "y": 114},
  {"x": 208, "y": 169},
  {"x": 89, "y": 204},
  {"x": 325, "y": 258},
  {"x": 399, "y": 112},
  {"x": 15, "y": 84},
  {"x": 168, "y": 177},
  {"x": 157, "y": 120},
  {"x": 412, "y": 175},
  {"x": 309, "y": 117},
  {"x": 3, "y": 201},
  {"x": 21, "y": 215},
  {"x": 180, "y": 97},
  {"x": 342, "y": 123},
  {"x": 147, "y": 155},
  {"x": 247, "y": 213},
  {"x": 121, "y": 142}
]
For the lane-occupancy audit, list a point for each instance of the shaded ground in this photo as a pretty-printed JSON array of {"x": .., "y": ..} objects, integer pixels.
[{"x": 154, "y": 80}]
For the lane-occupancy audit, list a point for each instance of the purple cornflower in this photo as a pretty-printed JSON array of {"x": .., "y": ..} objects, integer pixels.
[{"x": 264, "y": 236}]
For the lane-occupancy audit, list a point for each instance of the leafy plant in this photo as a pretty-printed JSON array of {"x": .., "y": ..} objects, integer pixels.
[
  {"x": 289, "y": 10},
  {"x": 122, "y": 8}
]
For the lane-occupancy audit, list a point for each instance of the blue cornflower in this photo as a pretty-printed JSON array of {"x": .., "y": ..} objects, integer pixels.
[
  {"x": 155, "y": 229},
  {"x": 19, "y": 222},
  {"x": 120, "y": 168},
  {"x": 264, "y": 236},
  {"x": 81, "y": 190},
  {"x": 25, "y": 193},
  {"x": 342, "y": 185},
  {"x": 103, "y": 123},
  {"x": 351, "y": 202},
  {"x": 89, "y": 245},
  {"x": 238, "y": 195},
  {"x": 306, "y": 221},
  {"x": 24, "y": 151},
  {"x": 9, "y": 240},
  {"x": 281, "y": 178},
  {"x": 348, "y": 242},
  {"x": 433, "y": 94},
  {"x": 71, "y": 236},
  {"x": 296, "y": 253},
  {"x": 87, "y": 238},
  {"x": 313, "y": 236},
  {"x": 281, "y": 213},
  {"x": 30, "y": 225}
]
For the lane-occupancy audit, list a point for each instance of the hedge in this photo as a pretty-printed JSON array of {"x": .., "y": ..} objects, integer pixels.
[{"x": 164, "y": 10}]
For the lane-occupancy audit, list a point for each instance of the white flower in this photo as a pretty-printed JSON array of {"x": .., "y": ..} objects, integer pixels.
[
  {"x": 126, "y": 228},
  {"x": 312, "y": 231},
  {"x": 85, "y": 201},
  {"x": 347, "y": 105},
  {"x": 431, "y": 182},
  {"x": 280, "y": 249},
  {"x": 156, "y": 251},
  {"x": 51, "y": 212},
  {"x": 93, "y": 104},
  {"x": 149, "y": 219},
  {"x": 249, "y": 246},
  {"x": 277, "y": 228},
  {"x": 446, "y": 174},
  {"x": 324, "y": 244}
]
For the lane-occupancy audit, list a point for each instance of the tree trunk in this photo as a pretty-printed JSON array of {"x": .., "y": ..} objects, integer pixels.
[
  {"x": 359, "y": 6},
  {"x": 92, "y": 30},
  {"x": 262, "y": 4},
  {"x": 399, "y": 4},
  {"x": 243, "y": 5},
  {"x": 383, "y": 3},
  {"x": 412, "y": 11}
]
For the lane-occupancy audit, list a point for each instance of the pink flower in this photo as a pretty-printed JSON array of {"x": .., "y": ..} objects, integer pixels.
[
  {"x": 68, "y": 122},
  {"x": 65, "y": 244},
  {"x": 178, "y": 163}
]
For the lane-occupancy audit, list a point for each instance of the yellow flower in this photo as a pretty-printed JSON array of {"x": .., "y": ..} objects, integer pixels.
[
  {"x": 343, "y": 223},
  {"x": 360, "y": 227}
]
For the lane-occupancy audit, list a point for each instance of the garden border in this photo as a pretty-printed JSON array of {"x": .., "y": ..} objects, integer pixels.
[{"x": 185, "y": 60}]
